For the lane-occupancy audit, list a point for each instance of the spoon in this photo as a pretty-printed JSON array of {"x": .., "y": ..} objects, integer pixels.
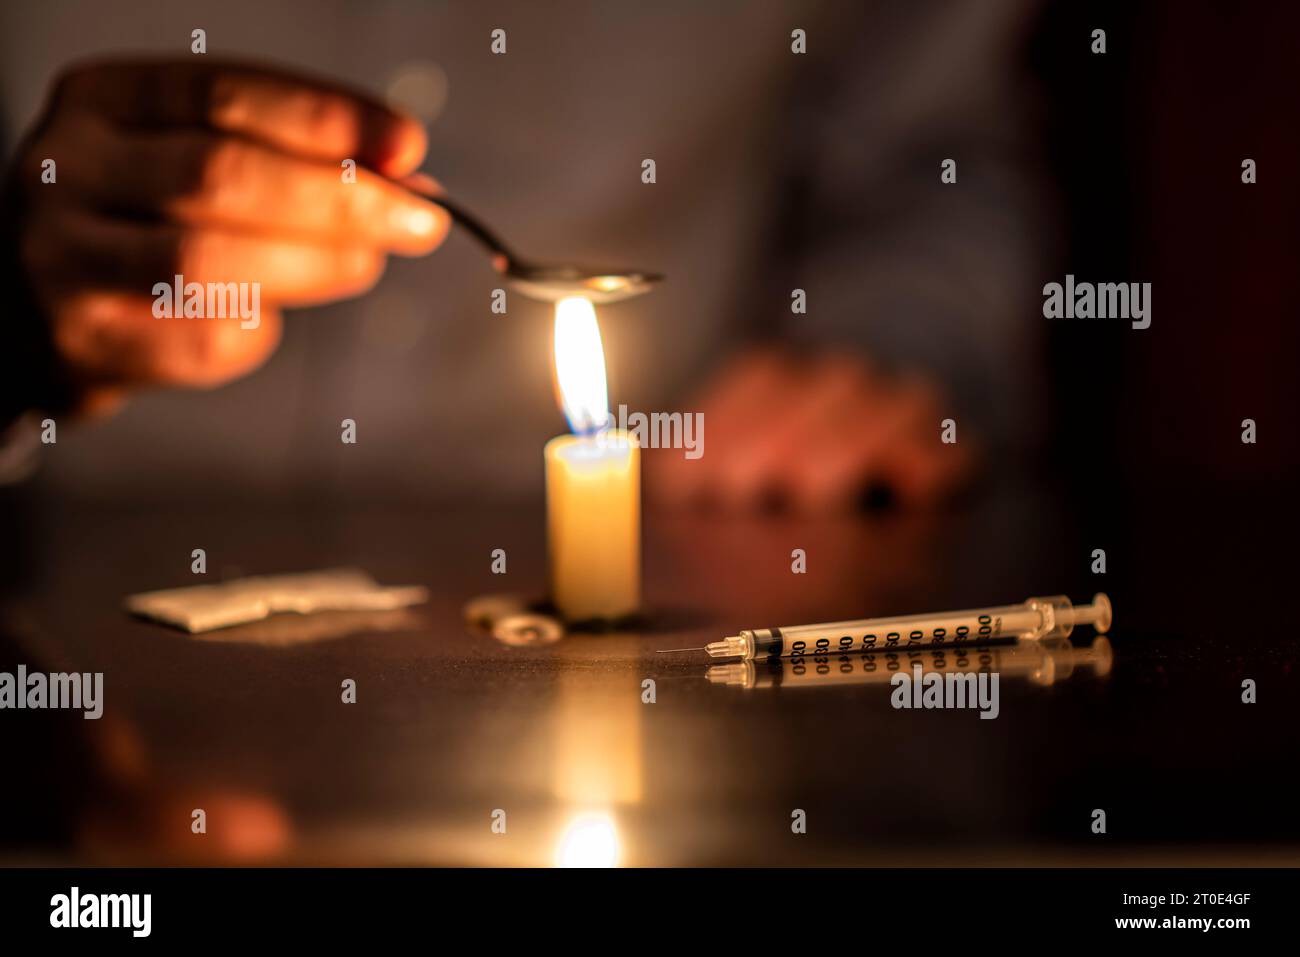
[{"x": 548, "y": 282}]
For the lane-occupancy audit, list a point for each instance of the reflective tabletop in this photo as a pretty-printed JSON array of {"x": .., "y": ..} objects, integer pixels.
[{"x": 462, "y": 749}]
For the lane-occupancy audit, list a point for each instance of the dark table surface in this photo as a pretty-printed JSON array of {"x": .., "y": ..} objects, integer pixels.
[{"x": 451, "y": 726}]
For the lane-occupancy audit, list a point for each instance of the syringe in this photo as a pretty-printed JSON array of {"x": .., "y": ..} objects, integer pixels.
[{"x": 1034, "y": 618}]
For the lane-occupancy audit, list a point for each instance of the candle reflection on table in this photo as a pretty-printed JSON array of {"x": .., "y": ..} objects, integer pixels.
[
  {"x": 589, "y": 840},
  {"x": 598, "y": 761}
]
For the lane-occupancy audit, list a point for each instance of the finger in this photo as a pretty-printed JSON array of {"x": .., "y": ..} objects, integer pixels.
[
  {"x": 870, "y": 441},
  {"x": 786, "y": 449},
  {"x": 198, "y": 177},
  {"x": 422, "y": 184},
  {"x": 748, "y": 391},
  {"x": 303, "y": 115},
  {"x": 842, "y": 455},
  {"x": 924, "y": 468},
  {"x": 136, "y": 257},
  {"x": 926, "y": 473},
  {"x": 100, "y": 402},
  {"x": 113, "y": 341},
  {"x": 761, "y": 375}
]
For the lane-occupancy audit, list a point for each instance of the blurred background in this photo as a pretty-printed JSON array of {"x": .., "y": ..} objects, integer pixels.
[{"x": 775, "y": 171}]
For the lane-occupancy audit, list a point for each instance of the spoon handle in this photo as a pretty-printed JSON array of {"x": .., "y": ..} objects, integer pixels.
[
  {"x": 501, "y": 254},
  {"x": 489, "y": 239}
]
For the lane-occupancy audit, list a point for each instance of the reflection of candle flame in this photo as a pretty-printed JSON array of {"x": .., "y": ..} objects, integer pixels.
[
  {"x": 597, "y": 739},
  {"x": 580, "y": 365},
  {"x": 589, "y": 840}
]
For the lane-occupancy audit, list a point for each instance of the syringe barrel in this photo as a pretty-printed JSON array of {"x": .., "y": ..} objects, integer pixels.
[{"x": 906, "y": 631}]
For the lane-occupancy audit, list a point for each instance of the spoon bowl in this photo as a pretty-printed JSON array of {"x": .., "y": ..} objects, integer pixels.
[
  {"x": 547, "y": 282},
  {"x": 553, "y": 283}
]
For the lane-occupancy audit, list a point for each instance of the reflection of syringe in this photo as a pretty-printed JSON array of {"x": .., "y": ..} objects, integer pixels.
[
  {"x": 1034, "y": 618},
  {"x": 1041, "y": 662}
]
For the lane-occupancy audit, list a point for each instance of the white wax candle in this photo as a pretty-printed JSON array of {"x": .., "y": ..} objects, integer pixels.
[
  {"x": 593, "y": 483},
  {"x": 593, "y": 514}
]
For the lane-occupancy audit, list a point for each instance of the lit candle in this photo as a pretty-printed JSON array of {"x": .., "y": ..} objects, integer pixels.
[{"x": 593, "y": 483}]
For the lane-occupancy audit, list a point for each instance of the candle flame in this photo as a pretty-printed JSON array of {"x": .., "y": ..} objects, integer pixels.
[
  {"x": 580, "y": 366},
  {"x": 590, "y": 840}
]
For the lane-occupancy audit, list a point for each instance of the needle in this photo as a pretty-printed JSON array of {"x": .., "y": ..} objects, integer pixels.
[{"x": 673, "y": 651}]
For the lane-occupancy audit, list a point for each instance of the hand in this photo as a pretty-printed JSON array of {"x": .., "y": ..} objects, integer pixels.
[
  {"x": 814, "y": 433},
  {"x": 216, "y": 172}
]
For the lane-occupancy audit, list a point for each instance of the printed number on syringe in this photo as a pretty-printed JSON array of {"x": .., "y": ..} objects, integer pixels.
[
  {"x": 893, "y": 639},
  {"x": 937, "y": 662}
]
